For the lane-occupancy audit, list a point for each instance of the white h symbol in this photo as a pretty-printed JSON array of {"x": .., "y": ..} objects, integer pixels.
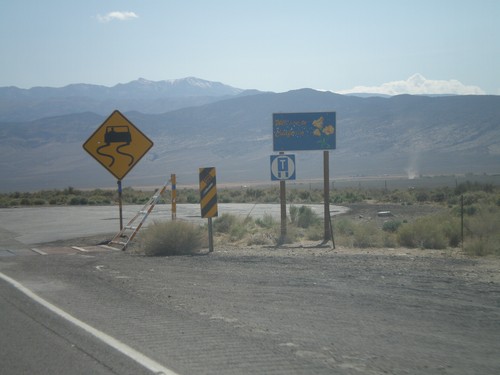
[{"x": 283, "y": 167}]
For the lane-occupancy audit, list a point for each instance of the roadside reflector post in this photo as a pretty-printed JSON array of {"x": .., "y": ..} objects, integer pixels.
[
  {"x": 174, "y": 196},
  {"x": 119, "y": 182},
  {"x": 208, "y": 200}
]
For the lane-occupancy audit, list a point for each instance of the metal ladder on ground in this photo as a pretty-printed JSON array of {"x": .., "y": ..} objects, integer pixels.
[{"x": 128, "y": 232}]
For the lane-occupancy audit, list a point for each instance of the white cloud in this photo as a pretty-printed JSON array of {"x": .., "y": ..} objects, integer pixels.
[
  {"x": 119, "y": 16},
  {"x": 418, "y": 85}
]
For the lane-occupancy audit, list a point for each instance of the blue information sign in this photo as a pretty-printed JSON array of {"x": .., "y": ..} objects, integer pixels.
[
  {"x": 304, "y": 131},
  {"x": 282, "y": 167}
]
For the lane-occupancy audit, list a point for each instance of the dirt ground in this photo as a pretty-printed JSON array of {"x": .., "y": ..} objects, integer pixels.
[{"x": 370, "y": 211}]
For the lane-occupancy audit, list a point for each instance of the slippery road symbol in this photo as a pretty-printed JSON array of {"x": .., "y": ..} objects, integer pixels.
[
  {"x": 119, "y": 136},
  {"x": 117, "y": 145}
]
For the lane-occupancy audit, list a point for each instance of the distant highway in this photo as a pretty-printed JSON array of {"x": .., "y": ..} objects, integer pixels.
[{"x": 31, "y": 225}]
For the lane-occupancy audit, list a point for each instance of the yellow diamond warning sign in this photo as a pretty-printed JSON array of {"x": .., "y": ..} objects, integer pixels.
[{"x": 118, "y": 145}]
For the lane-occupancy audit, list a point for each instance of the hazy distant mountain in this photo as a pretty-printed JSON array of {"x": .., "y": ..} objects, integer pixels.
[
  {"x": 140, "y": 95},
  {"x": 368, "y": 95},
  {"x": 375, "y": 136}
]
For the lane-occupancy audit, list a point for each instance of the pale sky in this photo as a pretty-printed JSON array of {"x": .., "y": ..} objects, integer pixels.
[{"x": 269, "y": 45}]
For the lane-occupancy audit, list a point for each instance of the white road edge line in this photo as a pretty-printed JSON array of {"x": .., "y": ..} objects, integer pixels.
[
  {"x": 79, "y": 249},
  {"x": 140, "y": 358},
  {"x": 38, "y": 251},
  {"x": 109, "y": 247}
]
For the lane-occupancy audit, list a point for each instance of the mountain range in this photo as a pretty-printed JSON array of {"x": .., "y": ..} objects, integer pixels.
[
  {"x": 42, "y": 131},
  {"x": 141, "y": 95}
]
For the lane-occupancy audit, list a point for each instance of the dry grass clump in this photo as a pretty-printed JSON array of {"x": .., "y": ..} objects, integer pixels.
[
  {"x": 172, "y": 238},
  {"x": 425, "y": 232},
  {"x": 235, "y": 228},
  {"x": 482, "y": 232},
  {"x": 361, "y": 234}
]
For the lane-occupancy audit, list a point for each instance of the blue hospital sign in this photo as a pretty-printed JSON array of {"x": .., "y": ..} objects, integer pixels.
[
  {"x": 304, "y": 131},
  {"x": 282, "y": 167}
]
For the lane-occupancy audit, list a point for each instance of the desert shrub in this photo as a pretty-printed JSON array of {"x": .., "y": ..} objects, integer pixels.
[
  {"x": 343, "y": 227},
  {"x": 267, "y": 221},
  {"x": 292, "y": 234},
  {"x": 39, "y": 202},
  {"x": 255, "y": 194},
  {"x": 470, "y": 210},
  {"x": 421, "y": 196},
  {"x": 294, "y": 213},
  {"x": 482, "y": 233},
  {"x": 425, "y": 232},
  {"x": 391, "y": 226},
  {"x": 171, "y": 238},
  {"x": 99, "y": 199},
  {"x": 473, "y": 186},
  {"x": 315, "y": 232},
  {"x": 481, "y": 246},
  {"x": 357, "y": 234},
  {"x": 439, "y": 197},
  {"x": 306, "y": 217},
  {"x": 389, "y": 240},
  {"x": 234, "y": 226},
  {"x": 223, "y": 223},
  {"x": 366, "y": 235},
  {"x": 77, "y": 200},
  {"x": 240, "y": 228},
  {"x": 402, "y": 196},
  {"x": 192, "y": 198},
  {"x": 262, "y": 238},
  {"x": 223, "y": 196},
  {"x": 347, "y": 196},
  {"x": 451, "y": 230}
]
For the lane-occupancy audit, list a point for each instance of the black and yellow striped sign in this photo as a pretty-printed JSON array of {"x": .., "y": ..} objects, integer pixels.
[{"x": 208, "y": 193}]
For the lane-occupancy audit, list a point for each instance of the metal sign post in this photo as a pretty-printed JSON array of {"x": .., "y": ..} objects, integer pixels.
[
  {"x": 208, "y": 200},
  {"x": 119, "y": 182},
  {"x": 283, "y": 212},
  {"x": 210, "y": 236},
  {"x": 174, "y": 196},
  {"x": 118, "y": 146},
  {"x": 326, "y": 197}
]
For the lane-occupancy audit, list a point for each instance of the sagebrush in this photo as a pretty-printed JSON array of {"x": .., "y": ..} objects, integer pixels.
[{"x": 172, "y": 238}]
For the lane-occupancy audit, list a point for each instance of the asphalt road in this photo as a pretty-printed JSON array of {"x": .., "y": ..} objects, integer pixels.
[
  {"x": 35, "y": 341},
  {"x": 33, "y": 225},
  {"x": 256, "y": 310}
]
